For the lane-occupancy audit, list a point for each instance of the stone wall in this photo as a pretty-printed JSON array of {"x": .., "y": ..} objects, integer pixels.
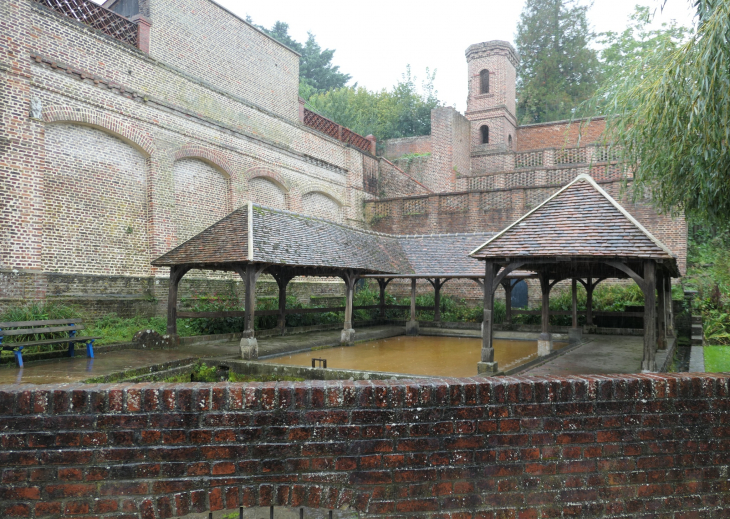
[
  {"x": 560, "y": 134},
  {"x": 652, "y": 445}
]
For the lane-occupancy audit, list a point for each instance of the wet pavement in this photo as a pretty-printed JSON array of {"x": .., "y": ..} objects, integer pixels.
[{"x": 600, "y": 355}]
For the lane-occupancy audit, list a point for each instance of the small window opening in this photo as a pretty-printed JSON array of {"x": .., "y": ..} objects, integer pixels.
[
  {"x": 484, "y": 82},
  {"x": 485, "y": 134},
  {"x": 509, "y": 141}
]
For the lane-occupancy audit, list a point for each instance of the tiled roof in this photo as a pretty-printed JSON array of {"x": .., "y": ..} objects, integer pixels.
[
  {"x": 285, "y": 238},
  {"x": 580, "y": 220},
  {"x": 444, "y": 253}
]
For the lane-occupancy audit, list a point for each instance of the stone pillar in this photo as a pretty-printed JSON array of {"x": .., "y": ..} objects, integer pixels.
[
  {"x": 545, "y": 341},
  {"x": 487, "y": 366},
  {"x": 347, "y": 337},
  {"x": 648, "y": 364},
  {"x": 249, "y": 345},
  {"x": 575, "y": 334},
  {"x": 412, "y": 324},
  {"x": 176, "y": 274},
  {"x": 661, "y": 340}
]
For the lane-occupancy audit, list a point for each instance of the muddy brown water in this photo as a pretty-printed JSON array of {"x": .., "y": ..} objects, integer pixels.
[{"x": 434, "y": 356}]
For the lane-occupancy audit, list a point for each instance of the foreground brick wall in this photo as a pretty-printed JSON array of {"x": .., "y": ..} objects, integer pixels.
[{"x": 527, "y": 447}]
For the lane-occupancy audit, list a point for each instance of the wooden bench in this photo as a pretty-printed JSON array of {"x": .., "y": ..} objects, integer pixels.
[{"x": 36, "y": 328}]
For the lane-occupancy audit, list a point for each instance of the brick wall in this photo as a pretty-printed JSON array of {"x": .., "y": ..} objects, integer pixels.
[
  {"x": 559, "y": 134},
  {"x": 211, "y": 43},
  {"x": 395, "y": 148},
  {"x": 394, "y": 182},
  {"x": 450, "y": 144},
  {"x": 595, "y": 446}
]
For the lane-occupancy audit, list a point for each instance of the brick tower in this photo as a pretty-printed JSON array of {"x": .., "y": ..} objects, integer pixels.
[{"x": 491, "y": 103}]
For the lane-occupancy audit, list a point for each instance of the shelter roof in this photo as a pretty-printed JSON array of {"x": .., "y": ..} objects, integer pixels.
[
  {"x": 257, "y": 234},
  {"x": 579, "y": 221}
]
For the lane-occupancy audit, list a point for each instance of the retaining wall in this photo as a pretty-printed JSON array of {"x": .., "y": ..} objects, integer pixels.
[{"x": 527, "y": 447}]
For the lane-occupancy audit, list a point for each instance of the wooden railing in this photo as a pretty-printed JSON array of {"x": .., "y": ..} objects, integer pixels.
[
  {"x": 339, "y": 132},
  {"x": 96, "y": 16},
  {"x": 181, "y": 314}
]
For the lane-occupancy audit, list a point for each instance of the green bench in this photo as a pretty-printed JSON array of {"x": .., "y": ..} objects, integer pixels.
[{"x": 68, "y": 327}]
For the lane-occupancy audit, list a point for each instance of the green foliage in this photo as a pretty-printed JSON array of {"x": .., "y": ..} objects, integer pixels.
[
  {"x": 635, "y": 46},
  {"x": 717, "y": 359},
  {"x": 559, "y": 69},
  {"x": 670, "y": 116},
  {"x": 201, "y": 372},
  {"x": 402, "y": 111},
  {"x": 316, "y": 71}
]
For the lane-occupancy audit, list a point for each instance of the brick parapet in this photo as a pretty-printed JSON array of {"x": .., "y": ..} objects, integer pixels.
[{"x": 615, "y": 446}]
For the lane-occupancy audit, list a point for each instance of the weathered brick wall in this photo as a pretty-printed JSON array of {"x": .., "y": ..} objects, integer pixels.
[
  {"x": 211, "y": 43},
  {"x": 395, "y": 148},
  {"x": 394, "y": 182},
  {"x": 450, "y": 149},
  {"x": 416, "y": 167},
  {"x": 559, "y": 134},
  {"x": 592, "y": 446}
]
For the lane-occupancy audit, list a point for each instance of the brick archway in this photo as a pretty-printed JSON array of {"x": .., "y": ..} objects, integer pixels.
[
  {"x": 212, "y": 157},
  {"x": 135, "y": 137},
  {"x": 269, "y": 174}
]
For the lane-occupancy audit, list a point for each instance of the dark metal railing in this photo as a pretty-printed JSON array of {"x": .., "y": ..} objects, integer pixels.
[{"x": 96, "y": 16}]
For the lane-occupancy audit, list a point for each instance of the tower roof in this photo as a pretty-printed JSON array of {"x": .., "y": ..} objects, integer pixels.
[{"x": 492, "y": 47}]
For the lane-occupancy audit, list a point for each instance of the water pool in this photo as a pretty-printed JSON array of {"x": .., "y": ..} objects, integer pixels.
[{"x": 434, "y": 356}]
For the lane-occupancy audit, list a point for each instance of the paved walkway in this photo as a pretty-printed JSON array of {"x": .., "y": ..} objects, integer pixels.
[{"x": 602, "y": 354}]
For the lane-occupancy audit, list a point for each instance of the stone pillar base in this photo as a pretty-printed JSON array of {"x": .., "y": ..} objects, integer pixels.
[
  {"x": 412, "y": 328},
  {"x": 590, "y": 328},
  {"x": 661, "y": 344},
  {"x": 648, "y": 366},
  {"x": 544, "y": 345},
  {"x": 347, "y": 337},
  {"x": 487, "y": 368},
  {"x": 575, "y": 335},
  {"x": 249, "y": 348}
]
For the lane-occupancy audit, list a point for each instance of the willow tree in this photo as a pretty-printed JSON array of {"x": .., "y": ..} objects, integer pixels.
[{"x": 671, "y": 118}]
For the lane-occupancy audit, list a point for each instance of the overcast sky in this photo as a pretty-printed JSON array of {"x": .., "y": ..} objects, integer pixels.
[{"x": 375, "y": 39}]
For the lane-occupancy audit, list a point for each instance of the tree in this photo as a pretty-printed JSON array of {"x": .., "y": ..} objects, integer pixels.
[
  {"x": 637, "y": 44},
  {"x": 402, "y": 111},
  {"x": 316, "y": 72},
  {"x": 558, "y": 68},
  {"x": 670, "y": 116}
]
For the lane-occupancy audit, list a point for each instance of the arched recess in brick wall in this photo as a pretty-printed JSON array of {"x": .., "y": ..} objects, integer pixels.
[
  {"x": 213, "y": 158},
  {"x": 202, "y": 196},
  {"x": 137, "y": 138},
  {"x": 267, "y": 187},
  {"x": 95, "y": 200},
  {"x": 323, "y": 205}
]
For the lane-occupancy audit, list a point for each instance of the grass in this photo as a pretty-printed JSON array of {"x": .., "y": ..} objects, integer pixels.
[
  {"x": 203, "y": 373},
  {"x": 717, "y": 359}
]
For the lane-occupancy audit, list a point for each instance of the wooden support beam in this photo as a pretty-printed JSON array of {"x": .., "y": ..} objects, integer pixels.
[
  {"x": 176, "y": 274},
  {"x": 508, "y": 285},
  {"x": 574, "y": 295},
  {"x": 545, "y": 315},
  {"x": 649, "y": 288},
  {"x": 661, "y": 340},
  {"x": 437, "y": 284},
  {"x": 487, "y": 364}
]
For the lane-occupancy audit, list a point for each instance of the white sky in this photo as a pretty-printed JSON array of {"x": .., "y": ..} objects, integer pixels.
[{"x": 375, "y": 39}]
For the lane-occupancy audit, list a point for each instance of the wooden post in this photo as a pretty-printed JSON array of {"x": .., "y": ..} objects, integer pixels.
[
  {"x": 575, "y": 303},
  {"x": 412, "y": 324},
  {"x": 661, "y": 341},
  {"x": 487, "y": 364},
  {"x": 250, "y": 308},
  {"x": 176, "y": 274},
  {"x": 670, "y": 307},
  {"x": 649, "y": 289},
  {"x": 437, "y": 300},
  {"x": 545, "y": 341},
  {"x": 383, "y": 283},
  {"x": 508, "y": 286},
  {"x": 589, "y": 301},
  {"x": 282, "y": 280},
  {"x": 347, "y": 337}
]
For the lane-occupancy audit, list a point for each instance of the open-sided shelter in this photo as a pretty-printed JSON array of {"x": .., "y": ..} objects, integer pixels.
[{"x": 583, "y": 234}]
